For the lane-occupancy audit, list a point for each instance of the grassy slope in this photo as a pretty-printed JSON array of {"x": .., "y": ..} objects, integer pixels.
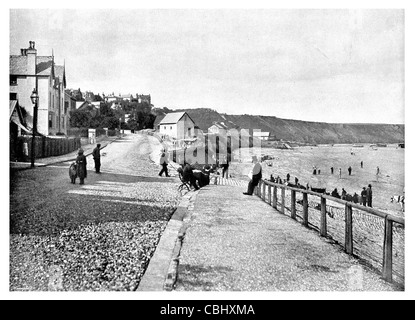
[{"x": 304, "y": 131}]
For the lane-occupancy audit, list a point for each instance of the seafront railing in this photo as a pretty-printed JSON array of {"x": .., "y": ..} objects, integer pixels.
[{"x": 374, "y": 236}]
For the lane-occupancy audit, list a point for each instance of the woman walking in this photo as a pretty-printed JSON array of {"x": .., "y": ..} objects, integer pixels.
[{"x": 81, "y": 166}]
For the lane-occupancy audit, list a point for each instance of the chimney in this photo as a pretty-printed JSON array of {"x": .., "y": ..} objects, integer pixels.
[{"x": 31, "y": 58}]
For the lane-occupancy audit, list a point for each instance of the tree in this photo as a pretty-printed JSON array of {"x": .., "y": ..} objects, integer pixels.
[{"x": 80, "y": 118}]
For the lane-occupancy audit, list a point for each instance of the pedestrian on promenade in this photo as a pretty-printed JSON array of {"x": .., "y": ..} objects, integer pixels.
[
  {"x": 355, "y": 198},
  {"x": 81, "y": 166},
  {"x": 340, "y": 173},
  {"x": 164, "y": 163},
  {"x": 225, "y": 167},
  {"x": 256, "y": 175},
  {"x": 288, "y": 177},
  {"x": 332, "y": 170},
  {"x": 335, "y": 193},
  {"x": 369, "y": 195},
  {"x": 97, "y": 158},
  {"x": 296, "y": 181},
  {"x": 364, "y": 196},
  {"x": 350, "y": 170},
  {"x": 344, "y": 194}
]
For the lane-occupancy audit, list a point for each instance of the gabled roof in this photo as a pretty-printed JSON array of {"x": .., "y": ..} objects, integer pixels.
[
  {"x": 219, "y": 125},
  {"x": 81, "y": 104},
  {"x": 18, "y": 65},
  {"x": 174, "y": 117},
  {"x": 16, "y": 116},
  {"x": 60, "y": 74},
  {"x": 44, "y": 65}
]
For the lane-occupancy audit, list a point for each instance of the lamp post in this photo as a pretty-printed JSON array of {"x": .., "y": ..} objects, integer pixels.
[{"x": 35, "y": 98}]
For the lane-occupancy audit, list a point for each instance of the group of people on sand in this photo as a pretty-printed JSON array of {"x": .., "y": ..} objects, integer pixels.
[{"x": 364, "y": 199}]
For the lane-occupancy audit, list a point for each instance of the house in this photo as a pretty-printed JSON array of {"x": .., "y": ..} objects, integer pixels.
[
  {"x": 30, "y": 71},
  {"x": 261, "y": 135},
  {"x": 218, "y": 128},
  {"x": 86, "y": 106},
  {"x": 177, "y": 125},
  {"x": 222, "y": 127},
  {"x": 143, "y": 98}
]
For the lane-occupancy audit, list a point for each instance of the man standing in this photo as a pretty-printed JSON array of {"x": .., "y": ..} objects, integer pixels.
[
  {"x": 364, "y": 196},
  {"x": 97, "y": 158},
  {"x": 350, "y": 171},
  {"x": 164, "y": 163},
  {"x": 369, "y": 195},
  {"x": 340, "y": 173},
  {"x": 225, "y": 167},
  {"x": 255, "y": 175}
]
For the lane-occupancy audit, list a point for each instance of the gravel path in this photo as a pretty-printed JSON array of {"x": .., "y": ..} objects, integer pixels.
[
  {"x": 99, "y": 236},
  {"x": 240, "y": 243}
]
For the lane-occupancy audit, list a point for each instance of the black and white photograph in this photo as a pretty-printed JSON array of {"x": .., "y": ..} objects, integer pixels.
[{"x": 185, "y": 152}]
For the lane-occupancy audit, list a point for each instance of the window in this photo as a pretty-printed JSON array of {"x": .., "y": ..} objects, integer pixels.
[
  {"x": 189, "y": 131},
  {"x": 165, "y": 127},
  {"x": 13, "y": 80},
  {"x": 171, "y": 128},
  {"x": 13, "y": 96},
  {"x": 50, "y": 120}
]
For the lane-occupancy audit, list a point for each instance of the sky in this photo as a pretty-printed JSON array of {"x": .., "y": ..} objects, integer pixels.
[{"x": 334, "y": 65}]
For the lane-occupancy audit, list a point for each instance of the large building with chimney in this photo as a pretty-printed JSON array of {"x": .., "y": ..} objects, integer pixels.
[{"x": 29, "y": 71}]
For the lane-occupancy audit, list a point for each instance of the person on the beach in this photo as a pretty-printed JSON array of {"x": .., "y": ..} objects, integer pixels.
[
  {"x": 332, "y": 170},
  {"x": 361, "y": 164},
  {"x": 344, "y": 194},
  {"x": 369, "y": 195},
  {"x": 164, "y": 161},
  {"x": 350, "y": 170},
  {"x": 81, "y": 166},
  {"x": 296, "y": 181},
  {"x": 314, "y": 170},
  {"x": 255, "y": 175},
  {"x": 364, "y": 196},
  {"x": 335, "y": 193},
  {"x": 355, "y": 198},
  {"x": 288, "y": 177},
  {"x": 97, "y": 158},
  {"x": 340, "y": 173},
  {"x": 377, "y": 173}
]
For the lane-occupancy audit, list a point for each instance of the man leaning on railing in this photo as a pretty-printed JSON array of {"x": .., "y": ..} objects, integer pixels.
[{"x": 255, "y": 174}]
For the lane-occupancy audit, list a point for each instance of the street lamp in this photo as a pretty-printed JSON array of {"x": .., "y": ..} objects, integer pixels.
[{"x": 35, "y": 99}]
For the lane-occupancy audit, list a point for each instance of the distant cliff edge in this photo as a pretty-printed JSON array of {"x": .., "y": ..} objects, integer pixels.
[{"x": 304, "y": 132}]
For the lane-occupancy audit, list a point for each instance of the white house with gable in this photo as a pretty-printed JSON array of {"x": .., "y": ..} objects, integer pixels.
[{"x": 177, "y": 125}]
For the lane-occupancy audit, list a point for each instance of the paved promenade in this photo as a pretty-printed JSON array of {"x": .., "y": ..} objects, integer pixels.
[{"x": 239, "y": 243}]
